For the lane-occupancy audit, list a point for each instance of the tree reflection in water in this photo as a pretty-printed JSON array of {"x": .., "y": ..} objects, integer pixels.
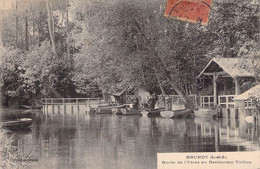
[{"x": 86, "y": 140}]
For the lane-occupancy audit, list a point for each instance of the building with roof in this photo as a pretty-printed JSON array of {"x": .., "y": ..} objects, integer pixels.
[
  {"x": 222, "y": 79},
  {"x": 248, "y": 102}
]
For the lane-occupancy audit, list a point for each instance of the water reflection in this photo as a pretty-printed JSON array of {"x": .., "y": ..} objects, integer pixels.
[{"x": 86, "y": 140}]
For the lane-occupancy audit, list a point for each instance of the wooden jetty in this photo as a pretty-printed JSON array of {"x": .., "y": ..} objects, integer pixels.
[{"x": 61, "y": 105}]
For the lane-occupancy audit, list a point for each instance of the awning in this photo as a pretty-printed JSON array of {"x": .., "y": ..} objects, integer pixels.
[
  {"x": 254, "y": 91},
  {"x": 120, "y": 92},
  {"x": 234, "y": 67}
]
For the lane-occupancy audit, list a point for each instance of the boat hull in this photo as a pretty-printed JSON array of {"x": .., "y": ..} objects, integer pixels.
[
  {"x": 205, "y": 112},
  {"x": 21, "y": 123},
  {"x": 116, "y": 110},
  {"x": 153, "y": 112},
  {"x": 104, "y": 110},
  {"x": 176, "y": 113},
  {"x": 129, "y": 111}
]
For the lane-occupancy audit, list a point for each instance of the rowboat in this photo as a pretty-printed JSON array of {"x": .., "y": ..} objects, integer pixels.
[
  {"x": 20, "y": 123},
  {"x": 129, "y": 110},
  {"x": 116, "y": 109},
  {"x": 176, "y": 113},
  {"x": 249, "y": 119},
  {"x": 206, "y": 112},
  {"x": 110, "y": 109},
  {"x": 205, "y": 121},
  {"x": 152, "y": 112},
  {"x": 104, "y": 109}
]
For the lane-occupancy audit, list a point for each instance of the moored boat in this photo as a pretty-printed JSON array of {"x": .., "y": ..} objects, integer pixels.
[
  {"x": 20, "y": 123},
  {"x": 152, "y": 112},
  {"x": 116, "y": 109},
  {"x": 176, "y": 113},
  {"x": 205, "y": 112},
  {"x": 104, "y": 109},
  {"x": 129, "y": 110},
  {"x": 205, "y": 121}
]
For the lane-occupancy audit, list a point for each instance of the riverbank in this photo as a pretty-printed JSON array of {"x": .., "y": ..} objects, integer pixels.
[{"x": 11, "y": 156}]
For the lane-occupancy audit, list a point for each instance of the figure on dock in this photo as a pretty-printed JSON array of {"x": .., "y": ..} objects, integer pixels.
[
  {"x": 136, "y": 103},
  {"x": 152, "y": 101}
]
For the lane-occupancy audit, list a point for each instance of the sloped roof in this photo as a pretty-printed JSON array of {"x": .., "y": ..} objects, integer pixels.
[
  {"x": 119, "y": 93},
  {"x": 254, "y": 91},
  {"x": 234, "y": 67}
]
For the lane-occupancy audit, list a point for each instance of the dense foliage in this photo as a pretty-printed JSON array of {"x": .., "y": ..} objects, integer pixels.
[{"x": 86, "y": 48}]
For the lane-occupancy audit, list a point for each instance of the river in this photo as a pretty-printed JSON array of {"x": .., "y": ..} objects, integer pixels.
[{"x": 86, "y": 140}]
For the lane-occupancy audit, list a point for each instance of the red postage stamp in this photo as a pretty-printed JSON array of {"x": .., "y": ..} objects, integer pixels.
[{"x": 195, "y": 11}]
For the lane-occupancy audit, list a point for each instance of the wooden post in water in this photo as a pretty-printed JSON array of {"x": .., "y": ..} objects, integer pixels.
[
  {"x": 196, "y": 129},
  {"x": 87, "y": 107},
  {"x": 43, "y": 105},
  {"x": 72, "y": 108},
  {"x": 77, "y": 103},
  {"x": 46, "y": 105},
  {"x": 215, "y": 76},
  {"x": 43, "y": 108},
  {"x": 64, "y": 106},
  {"x": 52, "y": 106},
  {"x": 59, "y": 109},
  {"x": 216, "y": 138},
  {"x": 196, "y": 103}
]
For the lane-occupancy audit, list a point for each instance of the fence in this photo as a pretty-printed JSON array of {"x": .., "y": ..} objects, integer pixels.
[
  {"x": 226, "y": 101},
  {"x": 206, "y": 101},
  {"x": 73, "y": 101}
]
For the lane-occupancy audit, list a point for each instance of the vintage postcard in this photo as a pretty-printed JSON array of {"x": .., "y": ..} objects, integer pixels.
[{"x": 129, "y": 84}]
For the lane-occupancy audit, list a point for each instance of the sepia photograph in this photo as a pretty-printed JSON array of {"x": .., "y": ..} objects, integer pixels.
[{"x": 129, "y": 84}]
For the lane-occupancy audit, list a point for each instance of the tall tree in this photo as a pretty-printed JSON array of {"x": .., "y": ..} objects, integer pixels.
[
  {"x": 67, "y": 29},
  {"x": 51, "y": 26}
]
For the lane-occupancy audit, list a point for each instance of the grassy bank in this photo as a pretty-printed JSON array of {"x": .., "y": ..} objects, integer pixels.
[{"x": 10, "y": 156}]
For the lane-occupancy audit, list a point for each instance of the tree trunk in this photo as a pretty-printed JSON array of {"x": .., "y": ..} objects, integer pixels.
[
  {"x": 16, "y": 25},
  {"x": 36, "y": 23},
  {"x": 26, "y": 34},
  {"x": 52, "y": 18},
  {"x": 67, "y": 29},
  {"x": 158, "y": 63},
  {"x": 2, "y": 23},
  {"x": 50, "y": 26},
  {"x": 160, "y": 84},
  {"x": 180, "y": 93}
]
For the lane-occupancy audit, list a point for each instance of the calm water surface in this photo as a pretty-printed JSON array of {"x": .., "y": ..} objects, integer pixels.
[{"x": 86, "y": 140}]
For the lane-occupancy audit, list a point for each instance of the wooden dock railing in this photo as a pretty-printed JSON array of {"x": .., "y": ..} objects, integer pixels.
[
  {"x": 74, "y": 101},
  {"x": 64, "y": 103},
  {"x": 226, "y": 101}
]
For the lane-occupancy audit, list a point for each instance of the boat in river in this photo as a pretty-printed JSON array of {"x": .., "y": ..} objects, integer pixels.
[
  {"x": 152, "y": 112},
  {"x": 110, "y": 109},
  {"x": 205, "y": 112},
  {"x": 104, "y": 109},
  {"x": 205, "y": 121},
  {"x": 130, "y": 110},
  {"x": 182, "y": 113},
  {"x": 116, "y": 109},
  {"x": 20, "y": 123}
]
